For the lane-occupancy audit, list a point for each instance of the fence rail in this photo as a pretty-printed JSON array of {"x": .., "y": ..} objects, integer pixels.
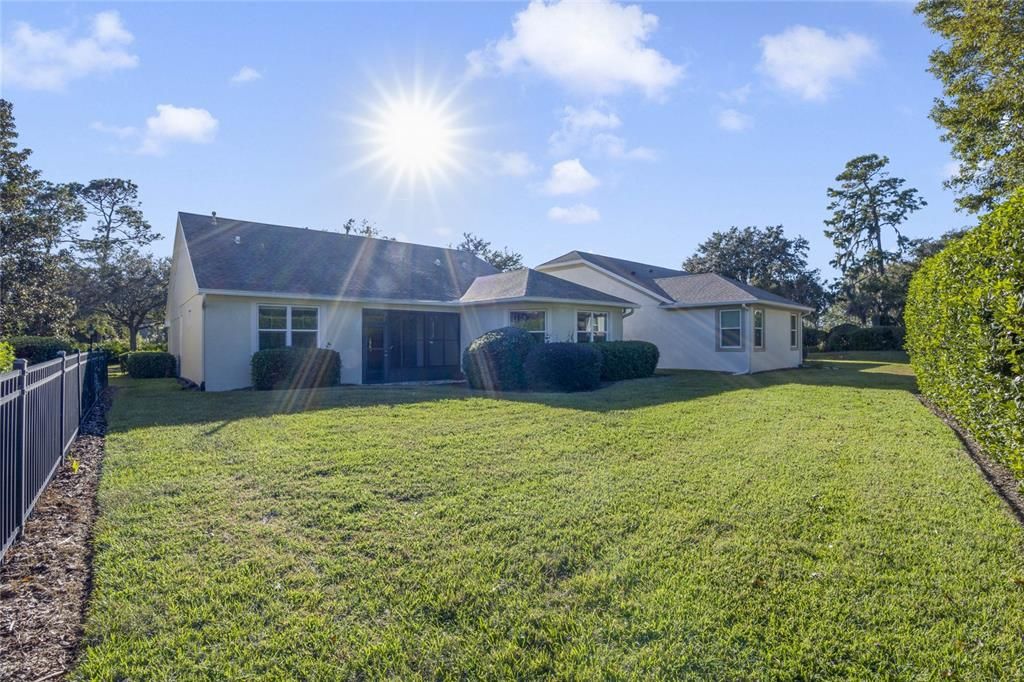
[{"x": 41, "y": 409}]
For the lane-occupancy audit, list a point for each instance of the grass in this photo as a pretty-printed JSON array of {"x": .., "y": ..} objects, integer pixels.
[{"x": 798, "y": 524}]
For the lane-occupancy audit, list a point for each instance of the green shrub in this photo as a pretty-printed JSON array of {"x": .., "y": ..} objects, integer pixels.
[
  {"x": 965, "y": 331},
  {"x": 838, "y": 338},
  {"x": 147, "y": 364},
  {"x": 627, "y": 359},
  {"x": 114, "y": 349},
  {"x": 564, "y": 367},
  {"x": 813, "y": 338},
  {"x": 287, "y": 368},
  {"x": 38, "y": 349},
  {"x": 876, "y": 338},
  {"x": 495, "y": 361},
  {"x": 6, "y": 356}
]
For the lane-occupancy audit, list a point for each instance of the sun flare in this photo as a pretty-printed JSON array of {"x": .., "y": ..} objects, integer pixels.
[{"x": 413, "y": 137}]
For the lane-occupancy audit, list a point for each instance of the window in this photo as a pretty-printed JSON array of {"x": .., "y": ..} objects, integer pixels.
[
  {"x": 758, "y": 329},
  {"x": 730, "y": 326},
  {"x": 442, "y": 339},
  {"x": 280, "y": 326},
  {"x": 591, "y": 327},
  {"x": 533, "y": 321},
  {"x": 794, "y": 330}
]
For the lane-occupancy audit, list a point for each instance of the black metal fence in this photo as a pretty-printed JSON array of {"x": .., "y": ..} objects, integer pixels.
[{"x": 41, "y": 409}]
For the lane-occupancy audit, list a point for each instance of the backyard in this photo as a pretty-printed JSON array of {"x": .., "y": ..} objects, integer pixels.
[{"x": 796, "y": 524}]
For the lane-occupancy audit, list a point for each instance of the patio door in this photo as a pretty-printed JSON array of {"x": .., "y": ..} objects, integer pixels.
[
  {"x": 410, "y": 345},
  {"x": 375, "y": 353}
]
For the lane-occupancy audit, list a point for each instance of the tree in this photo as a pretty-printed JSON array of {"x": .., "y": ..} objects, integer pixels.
[
  {"x": 364, "y": 229},
  {"x": 504, "y": 260},
  {"x": 134, "y": 291},
  {"x": 763, "y": 257},
  {"x": 867, "y": 203},
  {"x": 981, "y": 66},
  {"x": 35, "y": 217},
  {"x": 119, "y": 223}
]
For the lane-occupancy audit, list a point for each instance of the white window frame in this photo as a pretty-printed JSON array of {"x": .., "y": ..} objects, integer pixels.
[
  {"x": 794, "y": 331},
  {"x": 543, "y": 334},
  {"x": 288, "y": 322},
  {"x": 719, "y": 328},
  {"x": 607, "y": 325},
  {"x": 754, "y": 312}
]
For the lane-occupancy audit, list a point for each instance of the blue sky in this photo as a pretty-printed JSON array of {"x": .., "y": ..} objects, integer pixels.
[{"x": 682, "y": 119}]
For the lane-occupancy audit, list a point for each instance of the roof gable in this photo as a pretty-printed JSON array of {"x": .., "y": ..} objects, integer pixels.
[
  {"x": 531, "y": 284},
  {"x": 643, "y": 275}
]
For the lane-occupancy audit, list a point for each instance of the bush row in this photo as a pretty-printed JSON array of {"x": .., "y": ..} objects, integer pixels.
[
  {"x": 38, "y": 349},
  {"x": 148, "y": 364},
  {"x": 6, "y": 356},
  {"x": 864, "y": 338},
  {"x": 965, "y": 331},
  {"x": 287, "y": 368},
  {"x": 511, "y": 359}
]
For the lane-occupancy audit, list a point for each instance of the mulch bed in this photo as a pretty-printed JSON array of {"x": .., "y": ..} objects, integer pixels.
[
  {"x": 47, "y": 573},
  {"x": 998, "y": 475}
]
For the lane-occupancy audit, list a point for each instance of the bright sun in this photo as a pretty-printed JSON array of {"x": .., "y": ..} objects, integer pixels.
[{"x": 414, "y": 137}]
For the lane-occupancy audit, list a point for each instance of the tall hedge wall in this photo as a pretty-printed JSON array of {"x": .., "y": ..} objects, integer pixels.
[{"x": 965, "y": 331}]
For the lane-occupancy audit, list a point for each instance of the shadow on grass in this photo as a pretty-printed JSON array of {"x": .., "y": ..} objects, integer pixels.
[{"x": 160, "y": 402}]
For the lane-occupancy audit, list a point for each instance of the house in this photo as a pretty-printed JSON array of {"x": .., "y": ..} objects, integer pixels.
[
  {"x": 698, "y": 321},
  {"x": 393, "y": 311}
]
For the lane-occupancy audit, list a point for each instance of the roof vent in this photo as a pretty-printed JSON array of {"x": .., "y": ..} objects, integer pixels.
[
  {"x": 632, "y": 272},
  {"x": 238, "y": 240},
  {"x": 437, "y": 262},
  {"x": 213, "y": 217}
]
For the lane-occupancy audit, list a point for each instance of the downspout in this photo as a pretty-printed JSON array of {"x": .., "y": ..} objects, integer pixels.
[{"x": 749, "y": 342}]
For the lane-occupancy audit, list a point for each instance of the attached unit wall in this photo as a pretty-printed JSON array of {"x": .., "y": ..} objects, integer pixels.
[
  {"x": 687, "y": 337},
  {"x": 230, "y": 333},
  {"x": 184, "y": 315}
]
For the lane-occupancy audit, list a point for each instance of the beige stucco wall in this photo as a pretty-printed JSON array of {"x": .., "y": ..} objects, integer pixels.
[
  {"x": 686, "y": 338},
  {"x": 777, "y": 353},
  {"x": 230, "y": 335},
  {"x": 184, "y": 315}
]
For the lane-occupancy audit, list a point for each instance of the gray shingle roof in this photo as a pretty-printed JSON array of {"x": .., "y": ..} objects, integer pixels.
[
  {"x": 527, "y": 283},
  {"x": 642, "y": 274},
  {"x": 712, "y": 288},
  {"x": 275, "y": 258},
  {"x": 677, "y": 285}
]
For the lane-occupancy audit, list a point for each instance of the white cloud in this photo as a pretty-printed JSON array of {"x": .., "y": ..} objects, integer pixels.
[
  {"x": 809, "y": 61},
  {"x": 594, "y": 47},
  {"x": 574, "y": 215},
  {"x": 570, "y": 177},
  {"x": 587, "y": 129},
  {"x": 246, "y": 74},
  {"x": 614, "y": 147},
  {"x": 123, "y": 132},
  {"x": 738, "y": 95},
  {"x": 173, "y": 123},
  {"x": 734, "y": 121},
  {"x": 443, "y": 231},
  {"x": 48, "y": 60},
  {"x": 516, "y": 164}
]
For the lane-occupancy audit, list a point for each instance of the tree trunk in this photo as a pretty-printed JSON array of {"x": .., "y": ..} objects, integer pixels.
[{"x": 133, "y": 337}]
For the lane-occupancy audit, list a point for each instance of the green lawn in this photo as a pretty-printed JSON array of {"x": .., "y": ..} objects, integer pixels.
[{"x": 800, "y": 524}]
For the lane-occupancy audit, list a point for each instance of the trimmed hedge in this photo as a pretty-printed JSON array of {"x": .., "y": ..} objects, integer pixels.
[
  {"x": 851, "y": 337},
  {"x": 627, "y": 359},
  {"x": 877, "y": 338},
  {"x": 965, "y": 331},
  {"x": 38, "y": 349},
  {"x": 813, "y": 338},
  {"x": 6, "y": 356},
  {"x": 287, "y": 368},
  {"x": 113, "y": 349},
  {"x": 495, "y": 361},
  {"x": 564, "y": 367},
  {"x": 147, "y": 364}
]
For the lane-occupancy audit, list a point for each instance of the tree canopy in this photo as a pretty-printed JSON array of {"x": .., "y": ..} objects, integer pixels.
[
  {"x": 503, "y": 259},
  {"x": 764, "y": 257},
  {"x": 981, "y": 66}
]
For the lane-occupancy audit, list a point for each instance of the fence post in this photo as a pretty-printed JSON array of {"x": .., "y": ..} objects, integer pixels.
[
  {"x": 63, "y": 384},
  {"x": 21, "y": 441},
  {"x": 79, "y": 384}
]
